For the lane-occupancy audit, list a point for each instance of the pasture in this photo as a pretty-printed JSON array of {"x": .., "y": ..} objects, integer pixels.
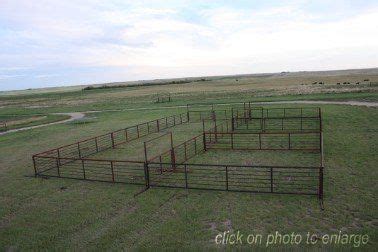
[{"x": 60, "y": 214}]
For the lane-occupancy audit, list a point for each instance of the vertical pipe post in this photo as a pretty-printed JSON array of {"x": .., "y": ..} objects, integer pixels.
[
  {"x": 35, "y": 167},
  {"x": 57, "y": 166},
  {"x": 78, "y": 149},
  {"x": 249, "y": 107},
  {"x": 173, "y": 156},
  {"x": 271, "y": 179},
  {"x": 320, "y": 117},
  {"x": 187, "y": 112},
  {"x": 161, "y": 165},
  {"x": 146, "y": 175},
  {"x": 320, "y": 189},
  {"x": 157, "y": 125},
  {"x": 226, "y": 177},
  {"x": 260, "y": 140},
  {"x": 145, "y": 152},
  {"x": 137, "y": 127},
  {"x": 321, "y": 150},
  {"x": 96, "y": 143},
  {"x": 112, "y": 169},
  {"x": 112, "y": 138},
  {"x": 289, "y": 141},
  {"x": 82, "y": 164},
  {"x": 232, "y": 140},
  {"x": 173, "y": 160},
  {"x": 126, "y": 135},
  {"x": 58, "y": 151}
]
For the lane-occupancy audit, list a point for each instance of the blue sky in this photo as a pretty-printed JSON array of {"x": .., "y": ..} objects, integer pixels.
[{"x": 48, "y": 43}]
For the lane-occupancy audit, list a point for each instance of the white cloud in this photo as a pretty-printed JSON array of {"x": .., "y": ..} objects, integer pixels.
[{"x": 148, "y": 40}]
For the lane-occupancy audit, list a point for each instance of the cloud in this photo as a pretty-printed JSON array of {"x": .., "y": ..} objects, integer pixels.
[{"x": 152, "y": 39}]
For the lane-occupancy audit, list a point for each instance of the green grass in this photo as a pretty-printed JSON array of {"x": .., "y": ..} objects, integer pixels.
[
  {"x": 17, "y": 122},
  {"x": 63, "y": 214}
]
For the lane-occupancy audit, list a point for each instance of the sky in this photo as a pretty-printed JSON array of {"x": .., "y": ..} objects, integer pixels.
[{"x": 49, "y": 43}]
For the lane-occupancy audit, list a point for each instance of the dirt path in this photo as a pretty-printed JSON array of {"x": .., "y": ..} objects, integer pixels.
[{"x": 73, "y": 115}]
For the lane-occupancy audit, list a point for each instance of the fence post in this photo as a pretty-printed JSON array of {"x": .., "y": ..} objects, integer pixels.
[
  {"x": 204, "y": 142},
  {"x": 58, "y": 151},
  {"x": 289, "y": 141},
  {"x": 321, "y": 149},
  {"x": 82, "y": 163},
  {"x": 157, "y": 125},
  {"x": 126, "y": 135},
  {"x": 35, "y": 167},
  {"x": 78, "y": 149},
  {"x": 249, "y": 110},
  {"x": 112, "y": 137},
  {"x": 180, "y": 118},
  {"x": 271, "y": 179},
  {"x": 187, "y": 116},
  {"x": 320, "y": 190},
  {"x": 226, "y": 177},
  {"x": 96, "y": 143},
  {"x": 232, "y": 140},
  {"x": 57, "y": 166},
  {"x": 195, "y": 146},
  {"x": 145, "y": 152},
  {"x": 173, "y": 159},
  {"x": 146, "y": 175},
  {"x": 148, "y": 127},
  {"x": 232, "y": 124},
  {"x": 112, "y": 167},
  {"x": 260, "y": 140},
  {"x": 161, "y": 165},
  {"x": 320, "y": 121},
  {"x": 186, "y": 176},
  {"x": 137, "y": 127}
]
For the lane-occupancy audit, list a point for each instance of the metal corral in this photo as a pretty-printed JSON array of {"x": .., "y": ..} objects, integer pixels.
[{"x": 245, "y": 128}]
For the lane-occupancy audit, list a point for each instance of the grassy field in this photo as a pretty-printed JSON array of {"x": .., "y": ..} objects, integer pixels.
[
  {"x": 17, "y": 122},
  {"x": 64, "y": 214}
]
